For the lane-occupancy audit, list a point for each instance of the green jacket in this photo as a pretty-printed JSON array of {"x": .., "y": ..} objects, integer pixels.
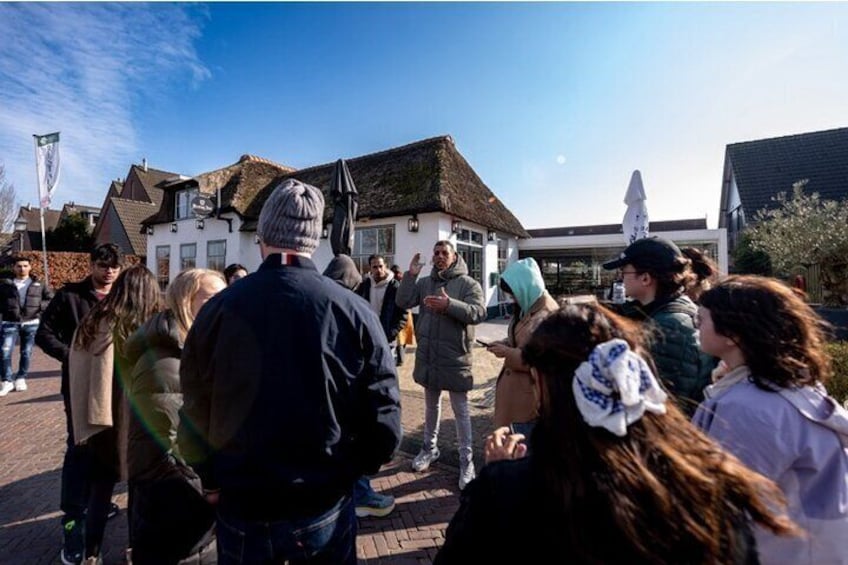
[
  {"x": 443, "y": 356},
  {"x": 676, "y": 349}
]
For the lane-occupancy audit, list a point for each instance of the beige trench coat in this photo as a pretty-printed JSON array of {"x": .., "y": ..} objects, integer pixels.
[{"x": 515, "y": 397}]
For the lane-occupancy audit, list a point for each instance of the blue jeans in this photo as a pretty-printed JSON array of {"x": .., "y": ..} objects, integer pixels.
[
  {"x": 328, "y": 538},
  {"x": 10, "y": 332}
]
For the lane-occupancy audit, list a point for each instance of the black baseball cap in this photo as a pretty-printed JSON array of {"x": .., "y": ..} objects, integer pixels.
[{"x": 652, "y": 253}]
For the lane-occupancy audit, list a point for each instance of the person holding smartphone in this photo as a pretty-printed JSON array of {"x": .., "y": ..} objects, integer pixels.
[{"x": 515, "y": 399}]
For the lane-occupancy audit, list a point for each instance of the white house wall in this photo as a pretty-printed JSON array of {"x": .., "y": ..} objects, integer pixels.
[{"x": 242, "y": 248}]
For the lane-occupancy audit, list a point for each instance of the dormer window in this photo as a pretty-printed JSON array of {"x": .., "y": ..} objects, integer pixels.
[{"x": 182, "y": 208}]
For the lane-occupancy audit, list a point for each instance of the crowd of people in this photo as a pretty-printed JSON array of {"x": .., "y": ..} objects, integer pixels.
[{"x": 247, "y": 412}]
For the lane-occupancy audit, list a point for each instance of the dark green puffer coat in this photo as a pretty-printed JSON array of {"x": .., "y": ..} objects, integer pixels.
[
  {"x": 676, "y": 349},
  {"x": 443, "y": 357}
]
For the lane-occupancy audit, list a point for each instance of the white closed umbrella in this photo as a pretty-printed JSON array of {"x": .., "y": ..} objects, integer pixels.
[{"x": 635, "y": 224}]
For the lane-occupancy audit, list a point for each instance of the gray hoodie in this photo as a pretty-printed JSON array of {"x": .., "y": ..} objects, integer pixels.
[{"x": 797, "y": 437}]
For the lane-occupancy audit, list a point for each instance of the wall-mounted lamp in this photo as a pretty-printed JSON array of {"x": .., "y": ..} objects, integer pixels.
[
  {"x": 20, "y": 229},
  {"x": 148, "y": 230},
  {"x": 199, "y": 223},
  {"x": 325, "y": 232},
  {"x": 256, "y": 238},
  {"x": 456, "y": 226},
  {"x": 491, "y": 235},
  {"x": 174, "y": 227},
  {"x": 412, "y": 223}
]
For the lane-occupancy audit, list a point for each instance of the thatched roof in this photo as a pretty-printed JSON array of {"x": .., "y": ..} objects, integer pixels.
[
  {"x": 425, "y": 176},
  {"x": 239, "y": 183}
]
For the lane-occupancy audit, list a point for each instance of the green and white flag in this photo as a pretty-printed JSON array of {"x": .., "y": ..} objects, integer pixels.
[{"x": 47, "y": 166}]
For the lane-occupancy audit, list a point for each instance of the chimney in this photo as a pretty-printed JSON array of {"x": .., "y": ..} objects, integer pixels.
[{"x": 144, "y": 164}]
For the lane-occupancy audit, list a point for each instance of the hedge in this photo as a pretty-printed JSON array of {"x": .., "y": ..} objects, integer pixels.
[{"x": 837, "y": 386}]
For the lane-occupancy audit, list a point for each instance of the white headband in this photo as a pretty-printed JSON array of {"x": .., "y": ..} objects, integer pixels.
[{"x": 615, "y": 387}]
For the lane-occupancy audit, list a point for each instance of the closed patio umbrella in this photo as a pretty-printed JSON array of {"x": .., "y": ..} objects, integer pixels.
[
  {"x": 345, "y": 206},
  {"x": 635, "y": 224}
]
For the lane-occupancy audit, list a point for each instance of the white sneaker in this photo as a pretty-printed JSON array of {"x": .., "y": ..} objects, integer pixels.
[
  {"x": 466, "y": 474},
  {"x": 424, "y": 458},
  {"x": 6, "y": 388},
  {"x": 20, "y": 385}
]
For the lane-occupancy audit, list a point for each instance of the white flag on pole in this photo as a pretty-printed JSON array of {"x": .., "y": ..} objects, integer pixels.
[{"x": 47, "y": 166}]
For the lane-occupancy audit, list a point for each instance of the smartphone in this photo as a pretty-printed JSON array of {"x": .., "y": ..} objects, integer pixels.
[
  {"x": 523, "y": 428},
  {"x": 483, "y": 343}
]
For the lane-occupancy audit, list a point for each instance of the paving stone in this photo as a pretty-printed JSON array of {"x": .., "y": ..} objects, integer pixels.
[{"x": 32, "y": 447}]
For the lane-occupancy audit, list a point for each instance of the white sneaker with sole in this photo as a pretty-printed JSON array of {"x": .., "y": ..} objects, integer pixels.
[
  {"x": 6, "y": 388},
  {"x": 467, "y": 474},
  {"x": 424, "y": 458},
  {"x": 20, "y": 385}
]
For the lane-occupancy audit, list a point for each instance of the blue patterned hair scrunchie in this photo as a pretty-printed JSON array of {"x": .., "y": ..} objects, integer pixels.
[{"x": 614, "y": 387}]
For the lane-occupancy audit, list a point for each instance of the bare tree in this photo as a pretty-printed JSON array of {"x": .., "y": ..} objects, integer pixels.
[{"x": 8, "y": 202}]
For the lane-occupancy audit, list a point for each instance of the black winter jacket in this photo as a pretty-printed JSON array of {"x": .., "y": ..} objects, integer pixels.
[
  {"x": 60, "y": 320},
  {"x": 392, "y": 317},
  {"x": 37, "y": 298},
  {"x": 289, "y": 392}
]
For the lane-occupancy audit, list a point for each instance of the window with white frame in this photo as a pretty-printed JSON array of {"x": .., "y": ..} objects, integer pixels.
[
  {"x": 503, "y": 257},
  {"x": 469, "y": 245},
  {"x": 182, "y": 207},
  {"x": 376, "y": 240},
  {"x": 163, "y": 265},
  {"x": 216, "y": 255},
  {"x": 188, "y": 256}
]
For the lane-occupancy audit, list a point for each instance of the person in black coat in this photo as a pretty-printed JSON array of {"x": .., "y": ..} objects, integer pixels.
[
  {"x": 22, "y": 300},
  {"x": 289, "y": 395},
  {"x": 380, "y": 290},
  {"x": 55, "y": 332}
]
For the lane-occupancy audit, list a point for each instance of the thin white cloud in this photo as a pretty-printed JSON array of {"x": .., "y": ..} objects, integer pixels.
[{"x": 81, "y": 69}]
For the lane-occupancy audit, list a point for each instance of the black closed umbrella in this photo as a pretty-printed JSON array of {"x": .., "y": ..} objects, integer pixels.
[{"x": 345, "y": 206}]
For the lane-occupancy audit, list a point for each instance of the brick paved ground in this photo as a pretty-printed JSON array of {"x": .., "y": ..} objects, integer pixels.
[{"x": 32, "y": 443}]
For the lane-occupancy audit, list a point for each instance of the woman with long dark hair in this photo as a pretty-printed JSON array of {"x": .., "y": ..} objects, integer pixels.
[
  {"x": 615, "y": 473},
  {"x": 98, "y": 373},
  {"x": 771, "y": 409}
]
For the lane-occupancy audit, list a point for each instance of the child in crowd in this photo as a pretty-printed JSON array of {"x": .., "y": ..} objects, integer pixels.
[{"x": 771, "y": 409}]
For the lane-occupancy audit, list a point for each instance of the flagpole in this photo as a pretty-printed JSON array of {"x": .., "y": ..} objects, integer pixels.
[{"x": 41, "y": 215}]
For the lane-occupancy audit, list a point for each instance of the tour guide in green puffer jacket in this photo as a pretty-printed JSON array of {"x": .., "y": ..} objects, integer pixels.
[{"x": 451, "y": 303}]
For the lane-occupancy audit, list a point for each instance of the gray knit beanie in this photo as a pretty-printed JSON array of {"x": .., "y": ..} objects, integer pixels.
[{"x": 292, "y": 217}]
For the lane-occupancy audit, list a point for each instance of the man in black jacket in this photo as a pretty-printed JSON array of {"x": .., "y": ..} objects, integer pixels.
[
  {"x": 22, "y": 300},
  {"x": 58, "y": 324},
  {"x": 380, "y": 289},
  {"x": 289, "y": 395}
]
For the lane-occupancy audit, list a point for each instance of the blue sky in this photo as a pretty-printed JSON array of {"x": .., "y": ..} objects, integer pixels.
[{"x": 553, "y": 104}]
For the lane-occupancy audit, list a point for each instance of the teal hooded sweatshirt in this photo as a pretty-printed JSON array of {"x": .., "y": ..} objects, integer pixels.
[{"x": 525, "y": 279}]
